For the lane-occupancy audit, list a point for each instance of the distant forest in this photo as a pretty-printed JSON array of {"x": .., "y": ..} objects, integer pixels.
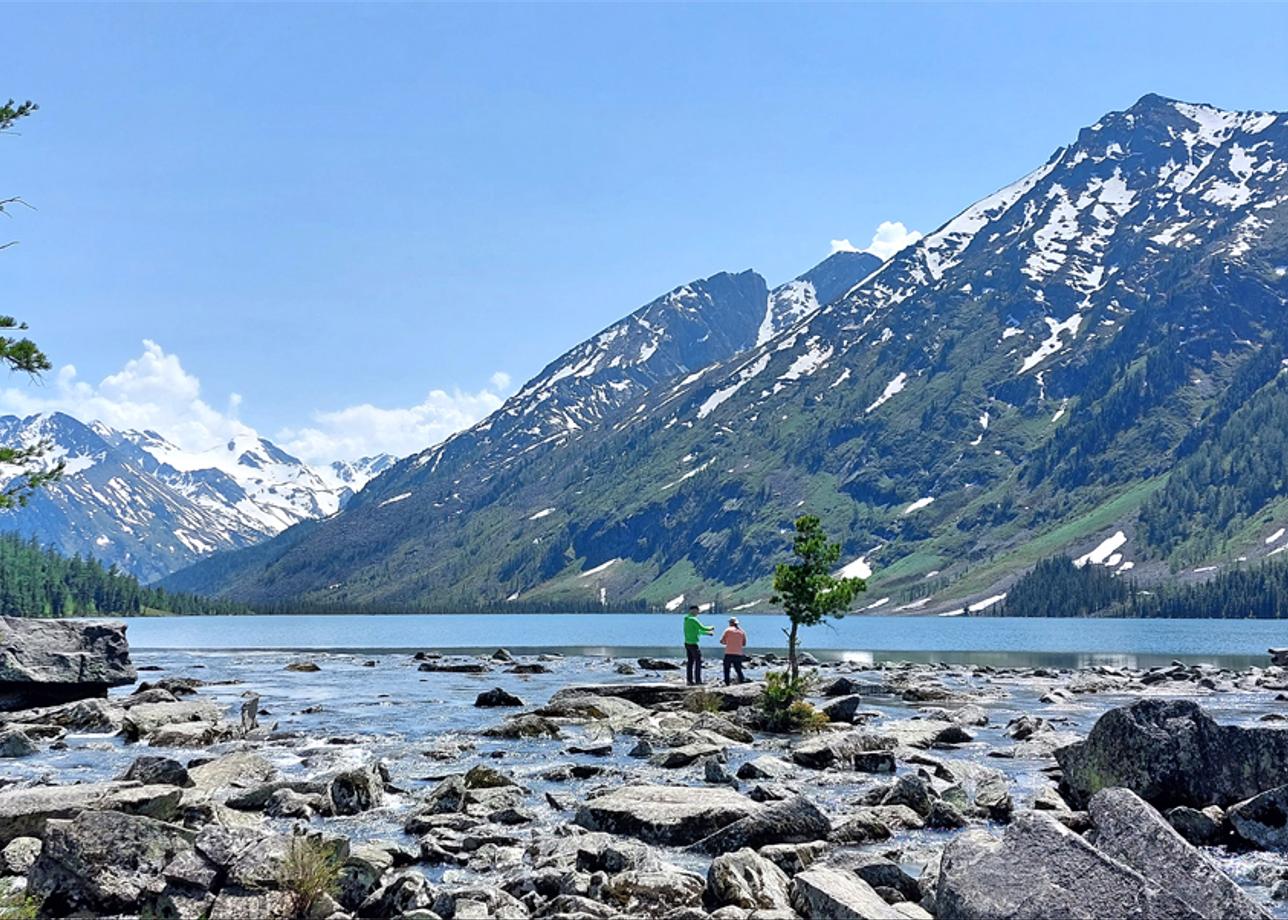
[
  {"x": 1057, "y": 588},
  {"x": 39, "y": 582}
]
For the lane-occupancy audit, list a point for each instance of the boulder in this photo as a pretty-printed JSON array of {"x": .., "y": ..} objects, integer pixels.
[
  {"x": 843, "y": 708},
  {"x": 643, "y": 694},
  {"x": 653, "y": 892},
  {"x": 157, "y": 770},
  {"x": 667, "y": 815},
  {"x": 748, "y": 880},
  {"x": 25, "y": 812},
  {"x": 683, "y": 756},
  {"x": 837, "y": 748},
  {"x": 19, "y": 855},
  {"x": 913, "y": 791},
  {"x": 793, "y": 820},
  {"x": 44, "y": 662},
  {"x": 405, "y": 892},
  {"x": 879, "y": 872},
  {"x": 524, "y": 726},
  {"x": 105, "y": 863},
  {"x": 764, "y": 767},
  {"x": 1170, "y": 752},
  {"x": 497, "y": 697},
  {"x": 657, "y": 664},
  {"x": 1132, "y": 832},
  {"x": 143, "y": 721},
  {"x": 1201, "y": 828},
  {"x": 89, "y": 715},
  {"x": 351, "y": 792},
  {"x": 794, "y": 857},
  {"x": 1039, "y": 868},
  {"x": 1263, "y": 819},
  {"x": 15, "y": 743},
  {"x": 821, "y": 891}
]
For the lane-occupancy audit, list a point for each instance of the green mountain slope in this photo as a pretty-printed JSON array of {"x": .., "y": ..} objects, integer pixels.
[{"x": 1021, "y": 382}]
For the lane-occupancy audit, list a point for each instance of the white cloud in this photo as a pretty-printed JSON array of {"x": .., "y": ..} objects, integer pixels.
[
  {"x": 154, "y": 391},
  {"x": 891, "y": 236},
  {"x": 358, "y": 431}
]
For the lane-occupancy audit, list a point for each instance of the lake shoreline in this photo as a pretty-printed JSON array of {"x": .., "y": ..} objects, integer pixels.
[{"x": 443, "y": 777}]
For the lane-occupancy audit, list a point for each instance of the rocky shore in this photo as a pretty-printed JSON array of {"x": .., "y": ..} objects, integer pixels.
[{"x": 508, "y": 786}]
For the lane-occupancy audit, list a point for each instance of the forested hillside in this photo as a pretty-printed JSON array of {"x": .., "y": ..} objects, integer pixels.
[
  {"x": 37, "y": 582},
  {"x": 1086, "y": 362}
]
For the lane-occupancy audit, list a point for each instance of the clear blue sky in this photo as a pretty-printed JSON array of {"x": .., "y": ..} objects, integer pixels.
[{"x": 319, "y": 206}]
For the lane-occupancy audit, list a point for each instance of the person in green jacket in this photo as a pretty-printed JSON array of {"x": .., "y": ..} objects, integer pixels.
[{"x": 694, "y": 630}]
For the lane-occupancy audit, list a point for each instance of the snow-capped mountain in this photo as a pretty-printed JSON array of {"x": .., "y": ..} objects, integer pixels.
[
  {"x": 1071, "y": 362},
  {"x": 135, "y": 499}
]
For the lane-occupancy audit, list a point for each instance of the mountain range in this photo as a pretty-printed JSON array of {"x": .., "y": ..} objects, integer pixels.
[
  {"x": 134, "y": 499},
  {"x": 1088, "y": 361}
]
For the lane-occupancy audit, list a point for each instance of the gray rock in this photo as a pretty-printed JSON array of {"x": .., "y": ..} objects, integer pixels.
[
  {"x": 657, "y": 664},
  {"x": 89, "y": 715},
  {"x": 863, "y": 826},
  {"x": 821, "y": 891},
  {"x": 15, "y": 743},
  {"x": 667, "y": 815},
  {"x": 1039, "y": 868},
  {"x": 793, "y": 820},
  {"x": 1263, "y": 819},
  {"x": 399, "y": 895},
  {"x": 142, "y": 721},
  {"x": 151, "y": 769},
  {"x": 945, "y": 816},
  {"x": 1203, "y": 828},
  {"x": 794, "y": 857},
  {"x": 25, "y": 812},
  {"x": 911, "y": 790},
  {"x": 878, "y": 872},
  {"x": 837, "y": 748},
  {"x": 683, "y": 756},
  {"x": 44, "y": 662},
  {"x": 19, "y": 855},
  {"x": 104, "y": 863},
  {"x": 287, "y": 803},
  {"x": 875, "y": 762},
  {"x": 352, "y": 792},
  {"x": 764, "y": 767},
  {"x": 653, "y": 893},
  {"x": 843, "y": 708},
  {"x": 524, "y": 726},
  {"x": 1170, "y": 752},
  {"x": 748, "y": 880},
  {"x": 1132, "y": 832},
  {"x": 497, "y": 697}
]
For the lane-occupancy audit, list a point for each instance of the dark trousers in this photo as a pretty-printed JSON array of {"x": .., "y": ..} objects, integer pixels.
[
  {"x": 735, "y": 662},
  {"x": 692, "y": 664}
]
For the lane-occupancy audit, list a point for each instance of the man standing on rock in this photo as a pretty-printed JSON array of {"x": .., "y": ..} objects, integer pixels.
[
  {"x": 694, "y": 630},
  {"x": 734, "y": 640}
]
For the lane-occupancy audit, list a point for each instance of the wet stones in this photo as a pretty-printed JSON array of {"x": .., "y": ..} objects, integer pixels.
[{"x": 748, "y": 880}]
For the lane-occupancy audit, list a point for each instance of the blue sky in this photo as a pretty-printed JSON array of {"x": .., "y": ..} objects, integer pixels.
[{"x": 317, "y": 215}]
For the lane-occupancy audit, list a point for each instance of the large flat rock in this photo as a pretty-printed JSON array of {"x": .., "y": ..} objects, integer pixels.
[
  {"x": 667, "y": 815},
  {"x": 46, "y": 662},
  {"x": 1132, "y": 832},
  {"x": 26, "y": 812},
  {"x": 1040, "y": 868}
]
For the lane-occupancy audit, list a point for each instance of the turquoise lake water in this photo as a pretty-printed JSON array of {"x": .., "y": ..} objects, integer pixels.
[{"x": 979, "y": 640}]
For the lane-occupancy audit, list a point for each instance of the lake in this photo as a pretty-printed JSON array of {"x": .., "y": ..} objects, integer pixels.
[{"x": 997, "y": 641}]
